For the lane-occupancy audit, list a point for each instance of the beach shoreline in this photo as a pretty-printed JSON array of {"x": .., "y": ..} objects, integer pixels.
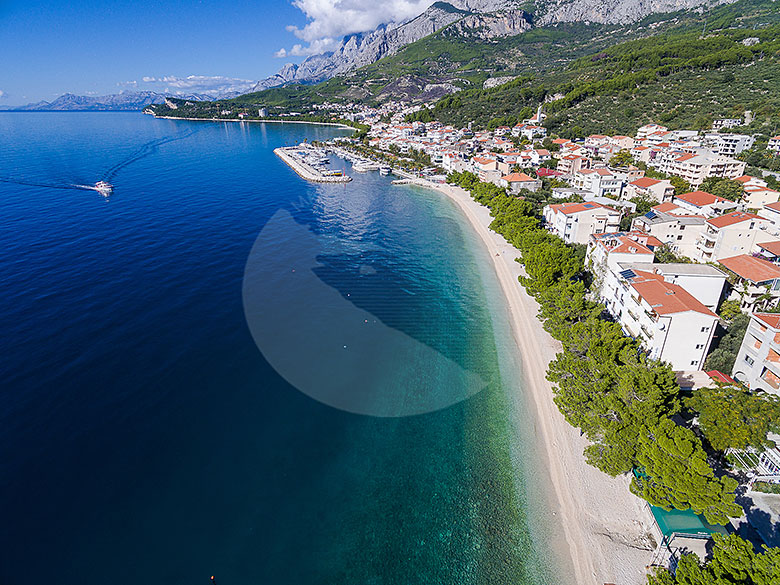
[
  {"x": 255, "y": 121},
  {"x": 605, "y": 527}
]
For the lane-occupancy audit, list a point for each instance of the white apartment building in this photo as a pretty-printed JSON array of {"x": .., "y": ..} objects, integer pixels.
[
  {"x": 758, "y": 361},
  {"x": 648, "y": 129},
  {"x": 705, "y": 283},
  {"x": 666, "y": 319},
  {"x": 729, "y": 144},
  {"x": 600, "y": 182},
  {"x": 607, "y": 251},
  {"x": 659, "y": 190},
  {"x": 695, "y": 168},
  {"x": 755, "y": 282},
  {"x": 774, "y": 144},
  {"x": 703, "y": 203},
  {"x": 726, "y": 123},
  {"x": 771, "y": 213},
  {"x": 672, "y": 226},
  {"x": 730, "y": 235},
  {"x": 574, "y": 223},
  {"x": 572, "y": 163},
  {"x": 515, "y": 182}
]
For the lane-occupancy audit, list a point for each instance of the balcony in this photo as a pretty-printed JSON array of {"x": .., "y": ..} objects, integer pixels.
[{"x": 771, "y": 379}]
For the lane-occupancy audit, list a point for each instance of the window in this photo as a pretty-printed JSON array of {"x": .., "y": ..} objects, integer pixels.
[
  {"x": 694, "y": 363},
  {"x": 699, "y": 346},
  {"x": 679, "y": 237},
  {"x": 750, "y": 361},
  {"x": 703, "y": 329}
]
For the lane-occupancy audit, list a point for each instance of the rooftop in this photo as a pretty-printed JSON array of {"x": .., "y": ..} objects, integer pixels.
[
  {"x": 676, "y": 268},
  {"x": 664, "y": 297},
  {"x": 699, "y": 198},
  {"x": 573, "y": 207},
  {"x": 732, "y": 218},
  {"x": 771, "y": 247},
  {"x": 751, "y": 268},
  {"x": 770, "y": 319},
  {"x": 645, "y": 182},
  {"x": 518, "y": 178}
]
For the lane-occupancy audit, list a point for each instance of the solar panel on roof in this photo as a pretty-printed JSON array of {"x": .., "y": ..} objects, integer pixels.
[
  {"x": 650, "y": 215},
  {"x": 628, "y": 274}
]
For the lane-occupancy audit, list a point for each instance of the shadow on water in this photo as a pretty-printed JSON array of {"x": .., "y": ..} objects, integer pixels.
[{"x": 369, "y": 282}]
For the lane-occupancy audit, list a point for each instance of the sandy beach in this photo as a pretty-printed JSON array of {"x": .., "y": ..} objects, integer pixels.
[{"x": 605, "y": 529}]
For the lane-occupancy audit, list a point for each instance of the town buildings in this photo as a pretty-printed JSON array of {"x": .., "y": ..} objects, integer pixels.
[
  {"x": 729, "y": 235},
  {"x": 676, "y": 227},
  {"x": 695, "y": 168},
  {"x": 755, "y": 282},
  {"x": 670, "y": 323},
  {"x": 574, "y": 223},
  {"x": 758, "y": 361}
]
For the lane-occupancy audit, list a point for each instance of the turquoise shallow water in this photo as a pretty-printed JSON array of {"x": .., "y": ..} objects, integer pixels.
[{"x": 148, "y": 433}]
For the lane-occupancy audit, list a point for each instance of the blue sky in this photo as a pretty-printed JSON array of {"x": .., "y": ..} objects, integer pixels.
[{"x": 88, "y": 47}]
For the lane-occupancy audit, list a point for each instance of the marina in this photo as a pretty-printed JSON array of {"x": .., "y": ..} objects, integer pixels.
[{"x": 309, "y": 162}]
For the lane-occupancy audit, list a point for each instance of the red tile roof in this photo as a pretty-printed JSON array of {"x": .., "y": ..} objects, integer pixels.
[
  {"x": 771, "y": 319},
  {"x": 573, "y": 207},
  {"x": 645, "y": 182},
  {"x": 664, "y": 297},
  {"x": 518, "y": 178},
  {"x": 751, "y": 268},
  {"x": 699, "y": 198},
  {"x": 771, "y": 247},
  {"x": 732, "y": 218},
  {"x": 622, "y": 244},
  {"x": 667, "y": 207}
]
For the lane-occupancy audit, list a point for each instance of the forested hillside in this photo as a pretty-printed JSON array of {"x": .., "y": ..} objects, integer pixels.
[
  {"x": 681, "y": 69},
  {"x": 682, "y": 79}
]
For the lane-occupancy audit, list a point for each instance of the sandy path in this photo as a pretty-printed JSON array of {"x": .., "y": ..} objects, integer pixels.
[{"x": 605, "y": 527}]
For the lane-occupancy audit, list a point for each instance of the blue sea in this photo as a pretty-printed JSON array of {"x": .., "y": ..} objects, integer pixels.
[{"x": 221, "y": 369}]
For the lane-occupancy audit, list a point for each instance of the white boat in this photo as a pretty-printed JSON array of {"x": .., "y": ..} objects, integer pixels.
[
  {"x": 104, "y": 188},
  {"x": 385, "y": 170}
]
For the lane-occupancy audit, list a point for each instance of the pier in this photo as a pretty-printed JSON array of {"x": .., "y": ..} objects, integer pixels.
[{"x": 303, "y": 159}]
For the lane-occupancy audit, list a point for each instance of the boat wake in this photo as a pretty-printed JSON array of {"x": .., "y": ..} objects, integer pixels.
[
  {"x": 142, "y": 152},
  {"x": 103, "y": 186},
  {"x": 42, "y": 184}
]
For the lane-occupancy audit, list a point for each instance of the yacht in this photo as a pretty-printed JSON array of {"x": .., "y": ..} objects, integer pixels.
[
  {"x": 104, "y": 188},
  {"x": 385, "y": 170}
]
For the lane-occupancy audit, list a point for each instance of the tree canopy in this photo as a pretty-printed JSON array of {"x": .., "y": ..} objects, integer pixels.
[
  {"x": 734, "y": 562},
  {"x": 733, "y": 417},
  {"x": 723, "y": 187},
  {"x": 604, "y": 384}
]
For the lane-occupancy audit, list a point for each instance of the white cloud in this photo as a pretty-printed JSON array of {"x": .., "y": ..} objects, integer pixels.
[
  {"x": 330, "y": 20},
  {"x": 215, "y": 85}
]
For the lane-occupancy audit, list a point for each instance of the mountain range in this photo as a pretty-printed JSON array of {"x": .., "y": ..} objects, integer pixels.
[
  {"x": 125, "y": 101},
  {"x": 480, "y": 20},
  {"x": 362, "y": 49}
]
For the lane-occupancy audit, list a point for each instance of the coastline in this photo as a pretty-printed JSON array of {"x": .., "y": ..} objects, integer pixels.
[
  {"x": 605, "y": 527},
  {"x": 255, "y": 121}
]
